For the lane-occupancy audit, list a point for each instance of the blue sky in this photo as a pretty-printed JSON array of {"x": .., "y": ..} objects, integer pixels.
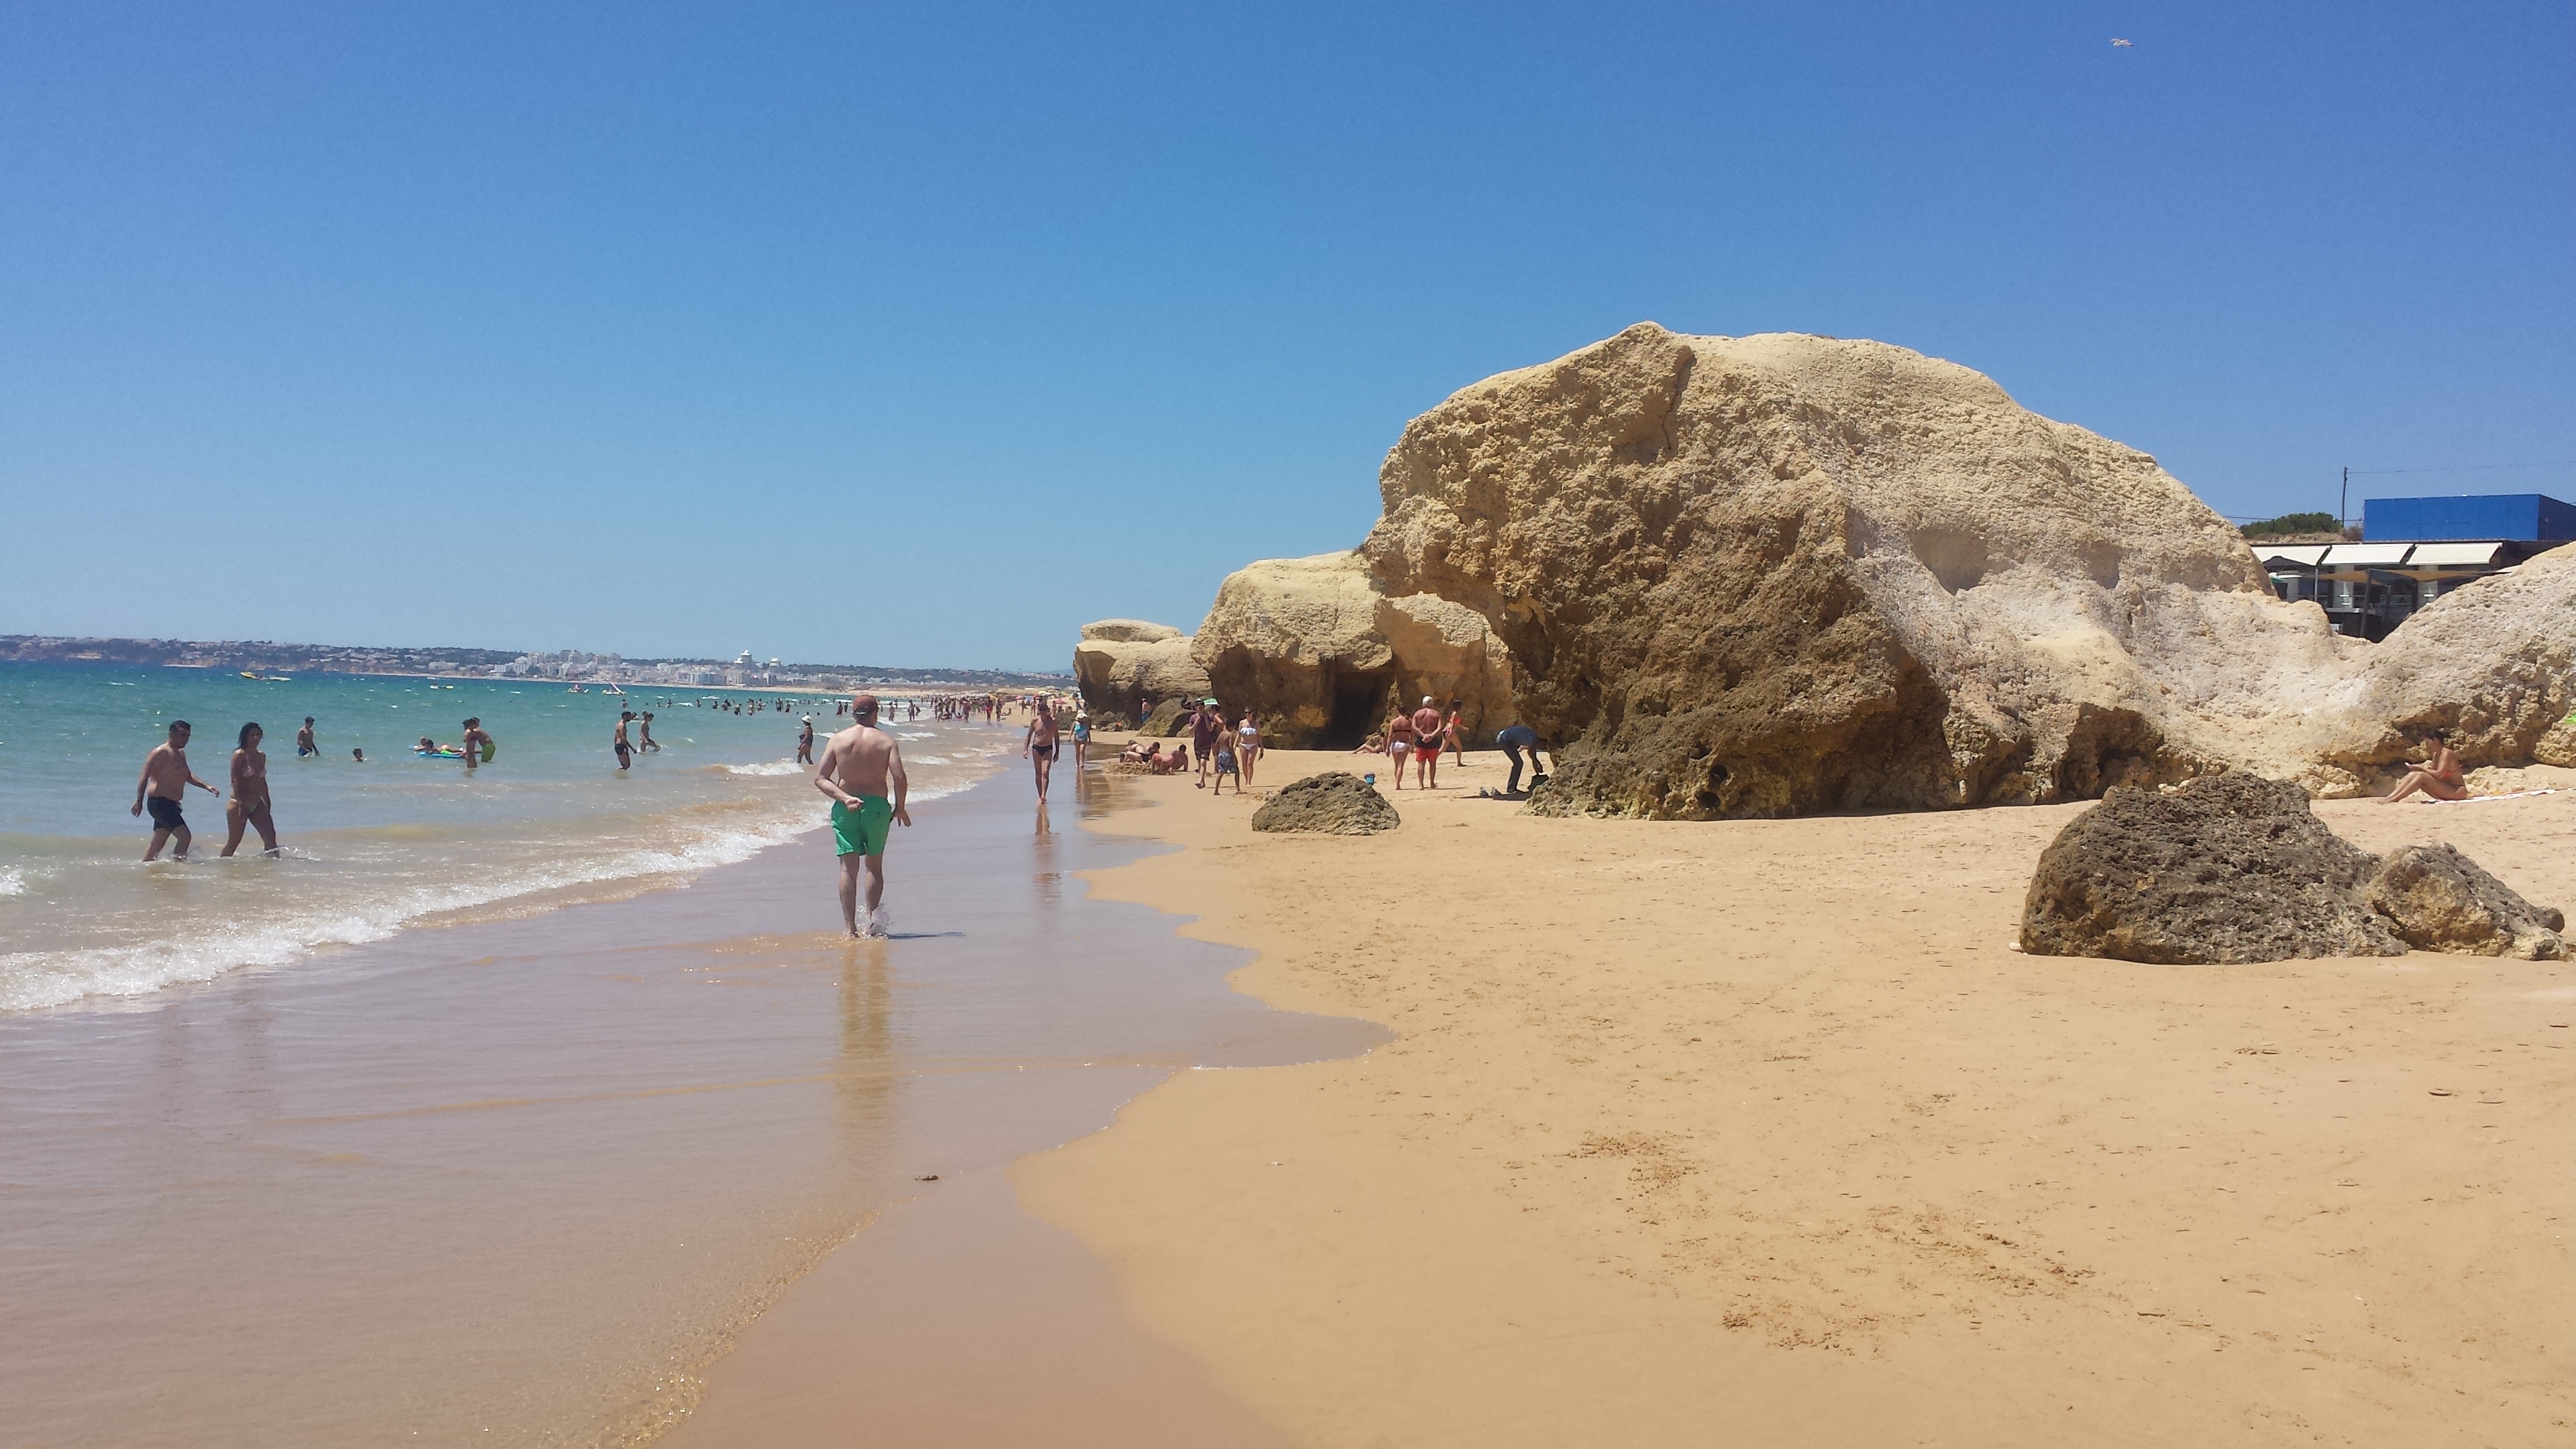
[{"x": 922, "y": 334}]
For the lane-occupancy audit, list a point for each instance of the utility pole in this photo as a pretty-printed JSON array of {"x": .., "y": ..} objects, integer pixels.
[{"x": 2343, "y": 504}]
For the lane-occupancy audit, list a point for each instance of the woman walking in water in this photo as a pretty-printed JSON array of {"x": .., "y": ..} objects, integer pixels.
[{"x": 248, "y": 808}]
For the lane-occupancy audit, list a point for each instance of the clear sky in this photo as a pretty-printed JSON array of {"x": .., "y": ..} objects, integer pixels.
[{"x": 922, "y": 334}]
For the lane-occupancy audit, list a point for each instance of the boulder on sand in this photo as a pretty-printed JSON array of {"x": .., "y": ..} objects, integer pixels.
[
  {"x": 1323, "y": 656},
  {"x": 2228, "y": 868},
  {"x": 2439, "y": 900},
  {"x": 1339, "y": 803},
  {"x": 1775, "y": 574},
  {"x": 1121, "y": 662},
  {"x": 2235, "y": 868}
]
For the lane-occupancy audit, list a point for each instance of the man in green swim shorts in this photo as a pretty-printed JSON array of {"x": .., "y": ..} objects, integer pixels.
[{"x": 860, "y": 768}]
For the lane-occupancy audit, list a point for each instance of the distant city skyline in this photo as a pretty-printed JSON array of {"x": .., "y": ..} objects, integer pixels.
[{"x": 927, "y": 335}]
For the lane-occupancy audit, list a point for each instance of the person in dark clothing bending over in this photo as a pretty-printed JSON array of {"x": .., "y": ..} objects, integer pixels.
[{"x": 1513, "y": 739}]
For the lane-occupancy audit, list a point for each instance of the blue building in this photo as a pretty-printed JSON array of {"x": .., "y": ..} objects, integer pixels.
[
  {"x": 2414, "y": 551},
  {"x": 2469, "y": 517}
]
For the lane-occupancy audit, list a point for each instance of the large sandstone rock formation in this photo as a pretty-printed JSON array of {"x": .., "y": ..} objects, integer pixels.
[
  {"x": 1763, "y": 575},
  {"x": 1335, "y": 804},
  {"x": 1323, "y": 655},
  {"x": 1766, "y": 575},
  {"x": 1125, "y": 667},
  {"x": 2236, "y": 868}
]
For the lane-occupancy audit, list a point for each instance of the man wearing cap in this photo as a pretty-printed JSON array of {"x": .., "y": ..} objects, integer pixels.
[{"x": 1206, "y": 724}]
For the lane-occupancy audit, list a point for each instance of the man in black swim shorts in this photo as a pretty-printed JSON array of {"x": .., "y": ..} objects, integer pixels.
[
  {"x": 166, "y": 778},
  {"x": 1039, "y": 745}
]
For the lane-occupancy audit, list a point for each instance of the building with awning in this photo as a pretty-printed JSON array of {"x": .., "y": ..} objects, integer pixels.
[{"x": 2370, "y": 587}]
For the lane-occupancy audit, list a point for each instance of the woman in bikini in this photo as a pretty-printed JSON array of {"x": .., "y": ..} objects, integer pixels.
[
  {"x": 248, "y": 808},
  {"x": 1399, "y": 743},
  {"x": 1247, "y": 752},
  {"x": 2438, "y": 777}
]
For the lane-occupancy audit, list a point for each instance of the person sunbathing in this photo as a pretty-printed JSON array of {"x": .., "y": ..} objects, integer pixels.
[
  {"x": 1376, "y": 746},
  {"x": 2438, "y": 777},
  {"x": 1163, "y": 764}
]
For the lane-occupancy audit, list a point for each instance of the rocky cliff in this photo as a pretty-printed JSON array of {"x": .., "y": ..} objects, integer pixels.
[
  {"x": 1764, "y": 575},
  {"x": 1125, "y": 667},
  {"x": 1323, "y": 655}
]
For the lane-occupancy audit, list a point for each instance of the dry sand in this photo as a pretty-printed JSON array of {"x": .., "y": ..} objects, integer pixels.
[{"x": 1761, "y": 1133}]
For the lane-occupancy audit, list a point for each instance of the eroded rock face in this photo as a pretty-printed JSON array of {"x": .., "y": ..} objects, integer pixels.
[
  {"x": 1126, "y": 667},
  {"x": 1323, "y": 656},
  {"x": 2437, "y": 899},
  {"x": 1335, "y": 804},
  {"x": 2228, "y": 868},
  {"x": 2492, "y": 666},
  {"x": 1766, "y": 575},
  {"x": 2557, "y": 744}
]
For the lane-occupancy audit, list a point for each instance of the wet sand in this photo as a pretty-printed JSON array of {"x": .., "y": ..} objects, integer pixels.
[
  {"x": 520, "y": 1182},
  {"x": 1760, "y": 1132}
]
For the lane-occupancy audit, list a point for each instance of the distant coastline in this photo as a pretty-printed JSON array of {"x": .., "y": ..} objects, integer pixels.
[{"x": 467, "y": 663}]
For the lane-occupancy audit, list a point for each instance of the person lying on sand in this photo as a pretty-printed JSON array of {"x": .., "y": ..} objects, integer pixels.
[
  {"x": 1375, "y": 745},
  {"x": 2438, "y": 777}
]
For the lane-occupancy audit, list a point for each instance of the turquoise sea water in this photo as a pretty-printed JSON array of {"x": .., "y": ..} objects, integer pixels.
[{"x": 372, "y": 848}]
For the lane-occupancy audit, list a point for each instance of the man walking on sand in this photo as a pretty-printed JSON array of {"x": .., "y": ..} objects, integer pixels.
[
  {"x": 858, "y": 765},
  {"x": 1206, "y": 723},
  {"x": 164, "y": 785}
]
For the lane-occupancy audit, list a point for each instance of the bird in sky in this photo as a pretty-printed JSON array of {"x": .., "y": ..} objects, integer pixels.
[{"x": 2115, "y": 40}]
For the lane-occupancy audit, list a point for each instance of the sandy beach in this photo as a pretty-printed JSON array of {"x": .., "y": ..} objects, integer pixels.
[{"x": 1761, "y": 1132}]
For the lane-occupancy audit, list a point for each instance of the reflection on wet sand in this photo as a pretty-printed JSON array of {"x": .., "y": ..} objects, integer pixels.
[{"x": 867, "y": 1089}]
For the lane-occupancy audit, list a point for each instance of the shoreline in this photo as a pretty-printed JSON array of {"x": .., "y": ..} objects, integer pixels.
[
  {"x": 1761, "y": 1123},
  {"x": 523, "y": 1181}
]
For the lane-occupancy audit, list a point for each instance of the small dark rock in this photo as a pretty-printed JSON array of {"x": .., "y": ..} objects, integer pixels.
[{"x": 1336, "y": 804}]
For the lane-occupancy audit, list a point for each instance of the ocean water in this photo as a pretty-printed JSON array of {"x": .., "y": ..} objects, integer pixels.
[
  {"x": 372, "y": 849},
  {"x": 520, "y": 1181}
]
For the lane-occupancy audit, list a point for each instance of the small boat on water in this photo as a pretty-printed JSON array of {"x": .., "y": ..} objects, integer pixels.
[{"x": 268, "y": 678}]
